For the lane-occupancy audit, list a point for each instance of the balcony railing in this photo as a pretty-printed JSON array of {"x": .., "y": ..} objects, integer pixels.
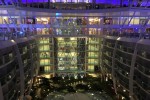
[{"x": 130, "y": 35}]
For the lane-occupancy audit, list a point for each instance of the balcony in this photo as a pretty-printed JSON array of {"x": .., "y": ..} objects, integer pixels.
[
  {"x": 130, "y": 35},
  {"x": 10, "y": 35}
]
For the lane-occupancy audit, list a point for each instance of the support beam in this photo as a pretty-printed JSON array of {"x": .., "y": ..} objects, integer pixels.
[
  {"x": 31, "y": 67},
  {"x": 124, "y": 22},
  {"x": 21, "y": 70},
  {"x": 132, "y": 17},
  {"x": 8, "y": 28},
  {"x": 113, "y": 65},
  {"x": 102, "y": 62},
  {"x": 132, "y": 73},
  {"x": 1, "y": 92}
]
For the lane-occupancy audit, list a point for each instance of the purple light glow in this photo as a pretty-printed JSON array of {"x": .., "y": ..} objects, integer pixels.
[{"x": 112, "y": 2}]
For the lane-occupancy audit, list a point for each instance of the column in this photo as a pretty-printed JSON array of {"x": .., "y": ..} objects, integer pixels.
[
  {"x": 32, "y": 67},
  {"x": 102, "y": 55},
  {"x": 113, "y": 65},
  {"x": 132, "y": 73},
  {"x": 54, "y": 45}
]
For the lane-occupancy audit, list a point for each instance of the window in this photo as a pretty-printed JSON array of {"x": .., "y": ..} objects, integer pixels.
[
  {"x": 46, "y": 68},
  {"x": 44, "y": 61}
]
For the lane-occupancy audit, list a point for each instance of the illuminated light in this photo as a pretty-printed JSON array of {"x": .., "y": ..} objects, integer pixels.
[
  {"x": 92, "y": 94},
  {"x": 118, "y": 38},
  {"x": 63, "y": 77},
  {"x": 72, "y": 38},
  {"x": 38, "y": 19},
  {"x": 47, "y": 76},
  {"x": 82, "y": 76},
  {"x": 9, "y": 76},
  {"x": 87, "y": 1},
  {"x": 124, "y": 90},
  {"x": 76, "y": 1},
  {"x": 5, "y": 17},
  {"x": 123, "y": 98},
  {"x": 58, "y": 14},
  {"x": 13, "y": 41},
  {"x": 44, "y": 19},
  {"x": 91, "y": 19},
  {"x": 106, "y": 79},
  {"x": 20, "y": 33},
  {"x": 75, "y": 76},
  {"x": 93, "y": 75},
  {"x": 65, "y": 1},
  {"x": 53, "y": 1}
]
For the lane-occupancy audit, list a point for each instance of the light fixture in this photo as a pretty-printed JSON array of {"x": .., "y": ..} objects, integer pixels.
[{"x": 124, "y": 90}]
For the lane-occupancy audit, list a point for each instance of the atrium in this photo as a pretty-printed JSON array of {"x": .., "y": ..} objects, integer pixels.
[{"x": 74, "y": 49}]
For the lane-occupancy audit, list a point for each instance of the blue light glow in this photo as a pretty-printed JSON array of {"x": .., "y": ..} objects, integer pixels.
[
  {"x": 20, "y": 33},
  {"x": 58, "y": 14}
]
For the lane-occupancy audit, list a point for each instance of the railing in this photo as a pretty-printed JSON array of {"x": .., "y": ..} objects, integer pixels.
[
  {"x": 130, "y": 35},
  {"x": 8, "y": 36}
]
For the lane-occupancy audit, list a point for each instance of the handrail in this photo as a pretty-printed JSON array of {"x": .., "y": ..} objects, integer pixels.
[{"x": 130, "y": 35}]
